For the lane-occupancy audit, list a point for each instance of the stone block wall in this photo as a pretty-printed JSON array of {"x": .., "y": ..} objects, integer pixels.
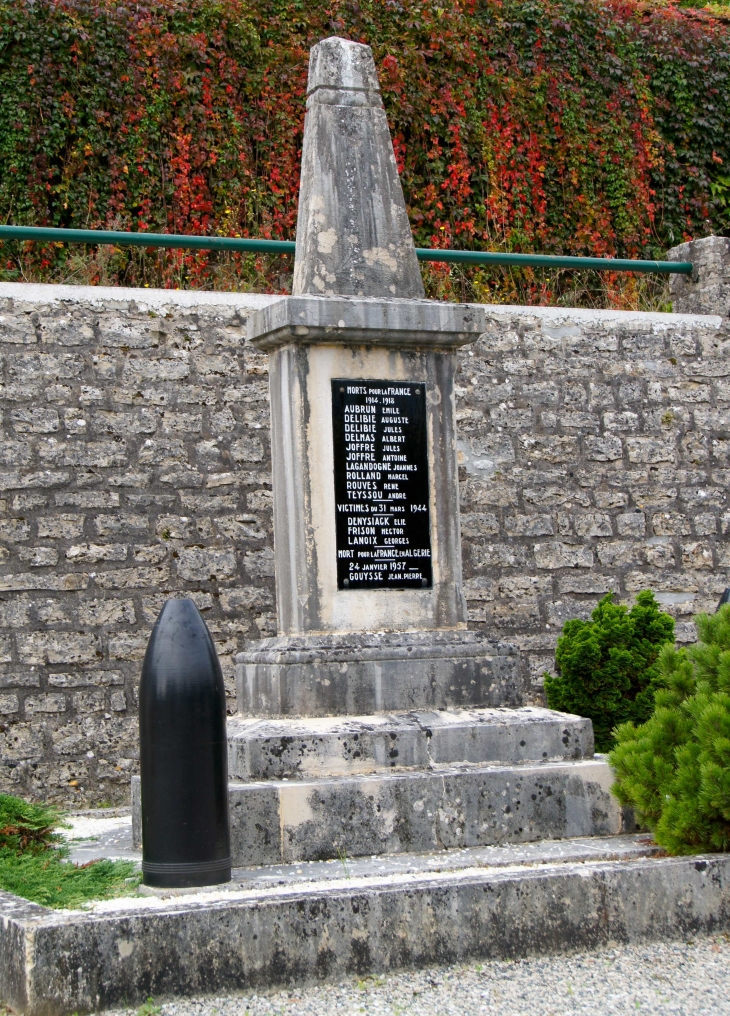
[
  {"x": 134, "y": 465},
  {"x": 594, "y": 454},
  {"x": 707, "y": 289}
]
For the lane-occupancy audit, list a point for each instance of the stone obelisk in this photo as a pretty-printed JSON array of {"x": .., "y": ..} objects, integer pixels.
[
  {"x": 353, "y": 233},
  {"x": 371, "y": 612}
]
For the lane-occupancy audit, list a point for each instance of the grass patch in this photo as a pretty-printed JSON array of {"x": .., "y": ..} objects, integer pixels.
[
  {"x": 34, "y": 865},
  {"x": 149, "y": 1008}
]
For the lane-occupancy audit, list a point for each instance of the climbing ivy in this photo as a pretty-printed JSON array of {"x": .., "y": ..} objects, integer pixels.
[{"x": 594, "y": 127}]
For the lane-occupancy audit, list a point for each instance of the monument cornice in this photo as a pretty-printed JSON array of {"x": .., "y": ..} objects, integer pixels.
[{"x": 363, "y": 321}]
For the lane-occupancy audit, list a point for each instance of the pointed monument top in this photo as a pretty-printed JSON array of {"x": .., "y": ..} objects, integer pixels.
[
  {"x": 353, "y": 234},
  {"x": 337, "y": 63}
]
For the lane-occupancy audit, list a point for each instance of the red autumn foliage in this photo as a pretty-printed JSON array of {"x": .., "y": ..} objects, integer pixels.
[{"x": 594, "y": 127}]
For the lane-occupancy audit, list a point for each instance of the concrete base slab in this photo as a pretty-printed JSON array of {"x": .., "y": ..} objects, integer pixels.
[
  {"x": 54, "y": 963},
  {"x": 357, "y": 674},
  {"x": 278, "y": 821},
  {"x": 274, "y": 749},
  {"x": 100, "y": 832}
]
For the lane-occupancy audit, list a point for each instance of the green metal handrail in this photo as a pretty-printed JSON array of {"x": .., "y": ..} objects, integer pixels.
[
  {"x": 172, "y": 240},
  {"x": 478, "y": 257},
  {"x": 469, "y": 257}
]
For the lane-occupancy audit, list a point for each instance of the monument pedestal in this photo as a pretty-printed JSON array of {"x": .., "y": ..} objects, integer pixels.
[
  {"x": 350, "y": 647},
  {"x": 357, "y": 673},
  {"x": 365, "y": 484}
]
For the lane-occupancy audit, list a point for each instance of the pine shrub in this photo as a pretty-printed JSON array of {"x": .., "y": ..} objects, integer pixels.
[
  {"x": 34, "y": 865},
  {"x": 27, "y": 827},
  {"x": 674, "y": 770},
  {"x": 608, "y": 665}
]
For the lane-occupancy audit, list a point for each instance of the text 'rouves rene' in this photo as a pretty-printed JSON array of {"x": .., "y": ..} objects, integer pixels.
[{"x": 383, "y": 533}]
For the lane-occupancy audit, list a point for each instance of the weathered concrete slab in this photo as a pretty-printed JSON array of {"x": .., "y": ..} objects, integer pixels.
[
  {"x": 584, "y": 848},
  {"x": 360, "y": 673},
  {"x": 454, "y": 807},
  {"x": 387, "y": 812},
  {"x": 53, "y": 963},
  {"x": 579, "y": 849},
  {"x": 273, "y": 749}
]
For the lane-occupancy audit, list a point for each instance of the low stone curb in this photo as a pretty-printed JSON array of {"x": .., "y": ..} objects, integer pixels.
[{"x": 53, "y": 963}]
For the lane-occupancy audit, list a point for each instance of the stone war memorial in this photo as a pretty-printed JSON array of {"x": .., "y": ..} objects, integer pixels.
[{"x": 398, "y": 794}]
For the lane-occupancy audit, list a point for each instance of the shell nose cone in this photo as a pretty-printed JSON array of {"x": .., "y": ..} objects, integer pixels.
[
  {"x": 181, "y": 657},
  {"x": 183, "y": 757}
]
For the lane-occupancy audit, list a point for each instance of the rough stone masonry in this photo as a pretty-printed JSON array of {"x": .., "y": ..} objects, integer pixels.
[{"x": 594, "y": 452}]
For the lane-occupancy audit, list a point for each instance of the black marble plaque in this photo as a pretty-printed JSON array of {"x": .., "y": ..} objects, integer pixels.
[{"x": 383, "y": 534}]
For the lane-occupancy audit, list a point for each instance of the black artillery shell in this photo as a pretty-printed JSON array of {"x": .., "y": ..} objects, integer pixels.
[{"x": 183, "y": 754}]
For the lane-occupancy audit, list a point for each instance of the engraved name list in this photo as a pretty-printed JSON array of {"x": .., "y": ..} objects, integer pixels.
[{"x": 383, "y": 533}]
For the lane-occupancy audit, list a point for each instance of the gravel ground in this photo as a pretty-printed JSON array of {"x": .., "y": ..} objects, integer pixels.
[{"x": 690, "y": 978}]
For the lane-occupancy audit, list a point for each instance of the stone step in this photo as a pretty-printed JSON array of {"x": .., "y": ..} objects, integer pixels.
[
  {"x": 111, "y": 837},
  {"x": 279, "y": 931},
  {"x": 576, "y": 850},
  {"x": 446, "y": 807},
  {"x": 289, "y": 748},
  {"x": 387, "y": 813}
]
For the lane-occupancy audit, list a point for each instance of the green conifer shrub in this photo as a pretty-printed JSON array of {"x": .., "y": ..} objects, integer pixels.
[
  {"x": 607, "y": 666},
  {"x": 674, "y": 770},
  {"x": 33, "y": 860},
  {"x": 28, "y": 827}
]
